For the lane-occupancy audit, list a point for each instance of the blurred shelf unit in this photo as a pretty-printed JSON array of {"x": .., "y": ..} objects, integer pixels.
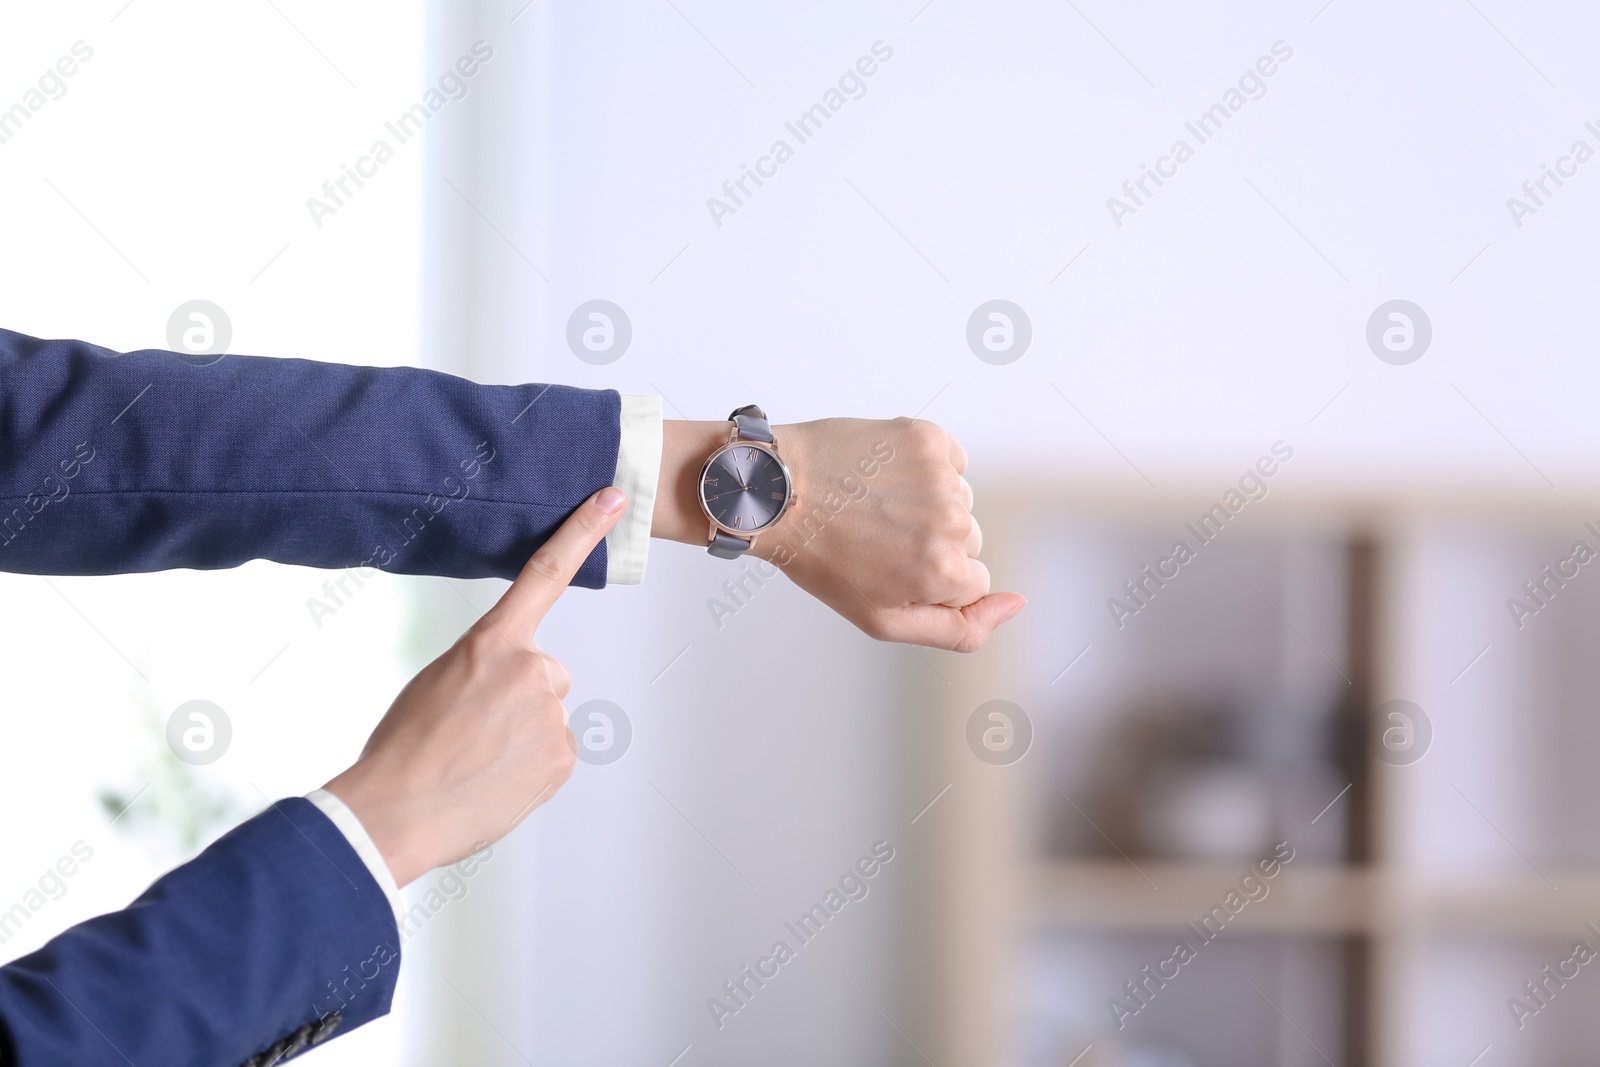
[
  {"x": 1189, "y": 715},
  {"x": 1323, "y": 899}
]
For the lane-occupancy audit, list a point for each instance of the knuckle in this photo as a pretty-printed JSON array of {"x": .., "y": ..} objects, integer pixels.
[
  {"x": 970, "y": 641},
  {"x": 546, "y": 565},
  {"x": 927, "y": 439},
  {"x": 565, "y": 757},
  {"x": 874, "y": 626},
  {"x": 479, "y": 646},
  {"x": 535, "y": 671},
  {"x": 942, "y": 570},
  {"x": 981, "y": 579},
  {"x": 560, "y": 677},
  {"x": 950, "y": 569}
]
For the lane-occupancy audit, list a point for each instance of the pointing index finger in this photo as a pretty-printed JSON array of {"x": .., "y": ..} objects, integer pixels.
[{"x": 551, "y": 569}]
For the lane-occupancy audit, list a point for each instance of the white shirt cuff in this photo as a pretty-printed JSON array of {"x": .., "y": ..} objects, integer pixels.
[
  {"x": 356, "y": 834},
  {"x": 638, "y": 471}
]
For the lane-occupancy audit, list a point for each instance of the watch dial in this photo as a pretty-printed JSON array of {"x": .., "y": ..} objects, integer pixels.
[{"x": 744, "y": 488}]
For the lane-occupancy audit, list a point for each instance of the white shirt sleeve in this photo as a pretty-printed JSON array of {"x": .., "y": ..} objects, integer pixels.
[
  {"x": 638, "y": 471},
  {"x": 356, "y": 834}
]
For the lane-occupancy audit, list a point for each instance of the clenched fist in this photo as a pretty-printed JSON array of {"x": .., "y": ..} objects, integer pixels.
[
  {"x": 883, "y": 533},
  {"x": 478, "y": 739},
  {"x": 881, "y": 528}
]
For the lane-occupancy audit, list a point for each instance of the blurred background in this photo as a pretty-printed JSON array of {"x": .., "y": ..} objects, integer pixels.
[{"x": 1303, "y": 288}]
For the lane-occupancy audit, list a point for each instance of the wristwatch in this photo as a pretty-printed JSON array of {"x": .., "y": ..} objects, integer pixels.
[{"x": 744, "y": 486}]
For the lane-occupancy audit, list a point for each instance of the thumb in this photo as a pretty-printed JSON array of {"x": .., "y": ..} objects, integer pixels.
[
  {"x": 551, "y": 569},
  {"x": 958, "y": 629}
]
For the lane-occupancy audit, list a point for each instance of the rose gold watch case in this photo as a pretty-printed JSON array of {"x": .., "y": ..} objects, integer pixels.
[{"x": 735, "y": 441}]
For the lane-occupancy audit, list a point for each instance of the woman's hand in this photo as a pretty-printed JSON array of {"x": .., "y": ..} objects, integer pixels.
[
  {"x": 478, "y": 739},
  {"x": 881, "y": 529},
  {"x": 882, "y": 532}
]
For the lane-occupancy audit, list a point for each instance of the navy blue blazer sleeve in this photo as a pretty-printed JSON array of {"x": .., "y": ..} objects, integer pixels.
[
  {"x": 115, "y": 463},
  {"x": 272, "y": 940}
]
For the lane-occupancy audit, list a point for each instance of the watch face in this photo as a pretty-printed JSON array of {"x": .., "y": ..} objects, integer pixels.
[{"x": 744, "y": 488}]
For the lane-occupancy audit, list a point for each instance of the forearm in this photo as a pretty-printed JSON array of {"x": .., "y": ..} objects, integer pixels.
[
  {"x": 275, "y": 936},
  {"x": 120, "y": 463}
]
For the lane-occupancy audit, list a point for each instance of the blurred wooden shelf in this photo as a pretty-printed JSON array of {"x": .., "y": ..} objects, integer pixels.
[
  {"x": 1382, "y": 603},
  {"x": 1160, "y": 897},
  {"x": 1113, "y": 895}
]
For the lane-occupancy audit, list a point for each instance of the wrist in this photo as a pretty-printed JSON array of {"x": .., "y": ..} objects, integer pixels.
[
  {"x": 398, "y": 829},
  {"x": 685, "y": 447}
]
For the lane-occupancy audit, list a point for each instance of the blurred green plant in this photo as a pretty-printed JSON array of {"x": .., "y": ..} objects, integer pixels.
[{"x": 177, "y": 809}]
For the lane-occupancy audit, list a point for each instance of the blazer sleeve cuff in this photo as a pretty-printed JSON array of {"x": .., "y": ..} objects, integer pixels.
[
  {"x": 270, "y": 941},
  {"x": 638, "y": 472},
  {"x": 347, "y": 824}
]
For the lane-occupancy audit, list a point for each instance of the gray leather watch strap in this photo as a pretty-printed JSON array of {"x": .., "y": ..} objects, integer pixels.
[
  {"x": 752, "y": 424},
  {"x": 727, "y": 546}
]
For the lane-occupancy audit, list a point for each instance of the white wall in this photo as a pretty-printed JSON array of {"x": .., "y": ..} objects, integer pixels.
[
  {"x": 1201, "y": 330},
  {"x": 1224, "y": 315}
]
